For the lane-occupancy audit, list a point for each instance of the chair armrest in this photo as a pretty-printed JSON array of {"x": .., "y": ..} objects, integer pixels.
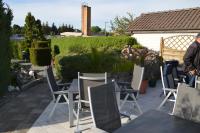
[
  {"x": 63, "y": 84},
  {"x": 96, "y": 130},
  {"x": 125, "y": 83},
  {"x": 61, "y": 92},
  {"x": 129, "y": 90},
  {"x": 169, "y": 89}
]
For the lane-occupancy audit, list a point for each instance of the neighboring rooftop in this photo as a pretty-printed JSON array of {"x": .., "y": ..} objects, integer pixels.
[{"x": 187, "y": 20}]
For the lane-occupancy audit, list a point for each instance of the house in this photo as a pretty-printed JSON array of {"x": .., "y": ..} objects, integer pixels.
[{"x": 148, "y": 28}]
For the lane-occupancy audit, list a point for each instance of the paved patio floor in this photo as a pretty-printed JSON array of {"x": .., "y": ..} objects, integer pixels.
[
  {"x": 59, "y": 123},
  {"x": 28, "y": 112},
  {"x": 19, "y": 114}
]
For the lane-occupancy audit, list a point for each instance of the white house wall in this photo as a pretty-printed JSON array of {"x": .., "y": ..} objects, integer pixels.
[{"x": 152, "y": 41}]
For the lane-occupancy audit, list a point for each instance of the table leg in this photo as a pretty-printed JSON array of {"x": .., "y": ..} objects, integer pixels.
[{"x": 71, "y": 106}]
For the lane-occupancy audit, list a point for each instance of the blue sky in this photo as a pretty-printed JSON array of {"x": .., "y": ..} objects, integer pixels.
[{"x": 69, "y": 11}]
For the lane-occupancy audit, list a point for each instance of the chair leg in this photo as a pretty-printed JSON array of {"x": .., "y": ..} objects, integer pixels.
[
  {"x": 164, "y": 101},
  {"x": 137, "y": 105},
  {"x": 66, "y": 98},
  {"x": 125, "y": 99},
  {"x": 52, "y": 111},
  {"x": 78, "y": 113}
]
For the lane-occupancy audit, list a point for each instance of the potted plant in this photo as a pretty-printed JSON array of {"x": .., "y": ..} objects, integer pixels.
[{"x": 153, "y": 68}]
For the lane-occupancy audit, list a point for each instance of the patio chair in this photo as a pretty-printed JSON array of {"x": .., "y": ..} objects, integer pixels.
[
  {"x": 187, "y": 105},
  {"x": 104, "y": 108},
  {"x": 197, "y": 82},
  {"x": 168, "y": 83},
  {"x": 178, "y": 75},
  {"x": 59, "y": 91},
  {"x": 85, "y": 80},
  {"x": 132, "y": 90}
]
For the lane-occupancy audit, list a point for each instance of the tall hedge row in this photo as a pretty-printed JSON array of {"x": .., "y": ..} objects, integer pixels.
[
  {"x": 5, "y": 30},
  {"x": 91, "y": 54},
  {"x": 40, "y": 53},
  {"x": 82, "y": 45}
]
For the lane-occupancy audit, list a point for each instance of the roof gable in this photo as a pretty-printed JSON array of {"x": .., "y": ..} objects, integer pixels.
[{"x": 174, "y": 20}]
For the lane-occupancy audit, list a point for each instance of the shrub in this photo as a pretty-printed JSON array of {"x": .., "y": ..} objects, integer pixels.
[
  {"x": 56, "y": 50},
  {"x": 5, "y": 31},
  {"x": 40, "y": 44},
  {"x": 40, "y": 53},
  {"x": 16, "y": 49},
  {"x": 123, "y": 65},
  {"x": 82, "y": 45},
  {"x": 40, "y": 56},
  {"x": 95, "y": 62}
]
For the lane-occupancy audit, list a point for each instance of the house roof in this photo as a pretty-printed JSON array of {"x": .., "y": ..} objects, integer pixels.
[{"x": 187, "y": 20}]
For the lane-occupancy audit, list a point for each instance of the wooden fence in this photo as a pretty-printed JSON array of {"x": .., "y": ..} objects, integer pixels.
[{"x": 174, "y": 47}]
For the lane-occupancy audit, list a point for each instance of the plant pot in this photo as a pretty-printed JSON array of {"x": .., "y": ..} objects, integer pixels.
[
  {"x": 152, "y": 83},
  {"x": 143, "y": 86}
]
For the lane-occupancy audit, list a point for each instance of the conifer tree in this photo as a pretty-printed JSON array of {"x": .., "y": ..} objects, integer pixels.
[{"x": 5, "y": 32}]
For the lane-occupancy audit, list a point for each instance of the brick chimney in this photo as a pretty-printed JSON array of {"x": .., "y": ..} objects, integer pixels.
[{"x": 86, "y": 20}]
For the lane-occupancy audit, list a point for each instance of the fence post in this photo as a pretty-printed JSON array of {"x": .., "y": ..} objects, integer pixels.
[{"x": 161, "y": 46}]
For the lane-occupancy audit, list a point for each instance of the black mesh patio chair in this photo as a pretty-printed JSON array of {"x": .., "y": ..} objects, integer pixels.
[
  {"x": 187, "y": 105},
  {"x": 178, "y": 75},
  {"x": 59, "y": 91},
  {"x": 104, "y": 108},
  {"x": 85, "y": 80},
  {"x": 131, "y": 90},
  {"x": 168, "y": 83}
]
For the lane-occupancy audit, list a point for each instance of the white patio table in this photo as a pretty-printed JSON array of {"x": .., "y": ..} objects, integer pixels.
[{"x": 73, "y": 89}]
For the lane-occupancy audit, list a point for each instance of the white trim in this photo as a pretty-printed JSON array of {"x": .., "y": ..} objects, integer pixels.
[
  {"x": 92, "y": 78},
  {"x": 176, "y": 97},
  {"x": 161, "y": 72}
]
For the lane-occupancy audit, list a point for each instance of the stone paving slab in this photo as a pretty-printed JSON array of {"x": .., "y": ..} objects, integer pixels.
[{"x": 19, "y": 114}]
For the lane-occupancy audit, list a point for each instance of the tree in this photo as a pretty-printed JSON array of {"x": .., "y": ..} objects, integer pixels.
[
  {"x": 54, "y": 30},
  {"x": 16, "y": 29},
  {"x": 46, "y": 28},
  {"x": 66, "y": 28},
  {"x": 33, "y": 29},
  {"x": 95, "y": 29},
  {"x": 39, "y": 35},
  {"x": 120, "y": 24},
  {"x": 29, "y": 29},
  {"x": 6, "y": 17}
]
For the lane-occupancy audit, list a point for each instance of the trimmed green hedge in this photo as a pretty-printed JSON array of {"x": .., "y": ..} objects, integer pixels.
[
  {"x": 91, "y": 54},
  {"x": 17, "y": 46},
  {"x": 95, "y": 62},
  {"x": 41, "y": 44},
  {"x": 40, "y": 56},
  {"x": 82, "y": 45}
]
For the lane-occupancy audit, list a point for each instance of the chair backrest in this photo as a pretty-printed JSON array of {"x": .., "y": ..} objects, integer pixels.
[
  {"x": 197, "y": 82},
  {"x": 187, "y": 105},
  {"x": 89, "y": 79},
  {"x": 174, "y": 64},
  {"x": 51, "y": 80},
  {"x": 138, "y": 73},
  {"x": 167, "y": 76},
  {"x": 104, "y": 109}
]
